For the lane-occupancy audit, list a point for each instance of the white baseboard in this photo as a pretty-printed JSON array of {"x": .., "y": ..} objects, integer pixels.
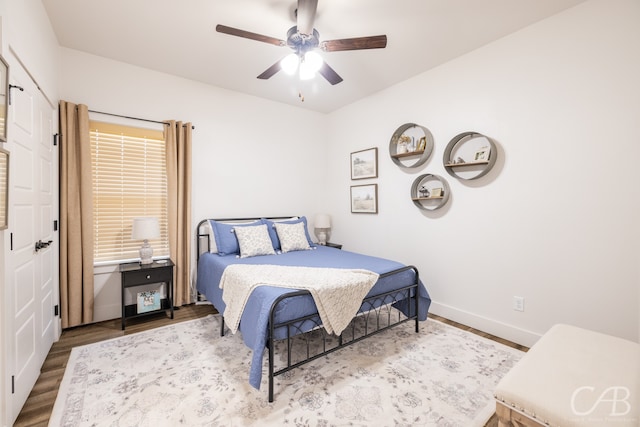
[{"x": 485, "y": 324}]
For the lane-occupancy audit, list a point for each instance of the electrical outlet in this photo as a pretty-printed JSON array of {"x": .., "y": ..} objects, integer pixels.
[{"x": 518, "y": 303}]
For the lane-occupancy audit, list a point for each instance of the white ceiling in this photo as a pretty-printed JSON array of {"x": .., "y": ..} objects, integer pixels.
[{"x": 179, "y": 38}]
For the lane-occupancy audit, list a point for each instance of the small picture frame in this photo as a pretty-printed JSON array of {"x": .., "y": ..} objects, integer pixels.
[
  {"x": 422, "y": 144},
  {"x": 148, "y": 301},
  {"x": 364, "y": 198},
  {"x": 437, "y": 192},
  {"x": 482, "y": 155},
  {"x": 364, "y": 164}
]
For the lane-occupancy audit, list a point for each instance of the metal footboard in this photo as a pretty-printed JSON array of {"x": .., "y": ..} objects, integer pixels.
[{"x": 374, "y": 316}]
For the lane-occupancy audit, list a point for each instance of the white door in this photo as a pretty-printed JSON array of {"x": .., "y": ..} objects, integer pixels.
[{"x": 32, "y": 274}]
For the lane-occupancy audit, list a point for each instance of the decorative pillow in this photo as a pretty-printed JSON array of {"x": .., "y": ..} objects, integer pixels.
[
  {"x": 254, "y": 241},
  {"x": 292, "y": 236},
  {"x": 274, "y": 235},
  {"x": 207, "y": 229},
  {"x": 226, "y": 240}
]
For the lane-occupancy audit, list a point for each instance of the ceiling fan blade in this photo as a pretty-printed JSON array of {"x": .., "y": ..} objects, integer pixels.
[
  {"x": 329, "y": 74},
  {"x": 372, "y": 42},
  {"x": 269, "y": 72},
  {"x": 306, "y": 14},
  {"x": 249, "y": 35}
]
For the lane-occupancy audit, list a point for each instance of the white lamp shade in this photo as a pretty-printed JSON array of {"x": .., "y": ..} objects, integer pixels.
[
  {"x": 313, "y": 60},
  {"x": 306, "y": 72},
  {"x": 322, "y": 221},
  {"x": 145, "y": 228},
  {"x": 289, "y": 63}
]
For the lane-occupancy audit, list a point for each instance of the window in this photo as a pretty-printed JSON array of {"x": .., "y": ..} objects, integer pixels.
[{"x": 129, "y": 180}]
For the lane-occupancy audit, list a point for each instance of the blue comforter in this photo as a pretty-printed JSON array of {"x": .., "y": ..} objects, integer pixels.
[{"x": 254, "y": 322}]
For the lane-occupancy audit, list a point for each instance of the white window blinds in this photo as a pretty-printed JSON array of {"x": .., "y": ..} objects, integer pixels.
[{"x": 129, "y": 180}]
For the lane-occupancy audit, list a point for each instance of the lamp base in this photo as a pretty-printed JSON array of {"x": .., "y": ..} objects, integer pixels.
[
  {"x": 322, "y": 236},
  {"x": 146, "y": 253}
]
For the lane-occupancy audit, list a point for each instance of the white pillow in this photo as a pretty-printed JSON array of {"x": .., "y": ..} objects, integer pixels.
[
  {"x": 208, "y": 230},
  {"x": 254, "y": 241},
  {"x": 292, "y": 237}
]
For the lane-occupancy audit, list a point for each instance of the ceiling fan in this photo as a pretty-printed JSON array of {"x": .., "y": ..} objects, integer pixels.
[{"x": 303, "y": 39}]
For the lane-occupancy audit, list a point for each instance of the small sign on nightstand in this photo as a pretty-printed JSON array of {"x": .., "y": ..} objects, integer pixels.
[{"x": 148, "y": 301}]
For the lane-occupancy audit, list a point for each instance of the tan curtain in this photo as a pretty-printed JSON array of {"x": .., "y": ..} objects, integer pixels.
[
  {"x": 76, "y": 216},
  {"x": 178, "y": 139}
]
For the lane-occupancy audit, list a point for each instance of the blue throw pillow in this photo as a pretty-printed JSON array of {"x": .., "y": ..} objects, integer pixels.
[
  {"x": 226, "y": 240},
  {"x": 274, "y": 235}
]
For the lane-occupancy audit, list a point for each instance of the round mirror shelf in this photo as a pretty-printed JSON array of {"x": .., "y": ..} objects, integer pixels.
[
  {"x": 470, "y": 155},
  {"x": 430, "y": 192},
  {"x": 418, "y": 148}
]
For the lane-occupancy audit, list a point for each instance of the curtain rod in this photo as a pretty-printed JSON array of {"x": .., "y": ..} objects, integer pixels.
[{"x": 132, "y": 118}]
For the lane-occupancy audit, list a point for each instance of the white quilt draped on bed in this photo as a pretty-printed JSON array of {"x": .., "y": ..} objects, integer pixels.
[{"x": 337, "y": 292}]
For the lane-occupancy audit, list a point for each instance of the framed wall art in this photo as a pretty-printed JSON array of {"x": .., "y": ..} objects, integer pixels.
[
  {"x": 364, "y": 198},
  {"x": 364, "y": 164},
  {"x": 4, "y": 96}
]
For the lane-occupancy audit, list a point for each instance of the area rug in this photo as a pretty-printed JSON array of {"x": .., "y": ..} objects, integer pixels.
[{"x": 187, "y": 375}]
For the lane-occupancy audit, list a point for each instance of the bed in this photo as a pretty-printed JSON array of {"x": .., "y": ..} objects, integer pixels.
[{"x": 274, "y": 314}]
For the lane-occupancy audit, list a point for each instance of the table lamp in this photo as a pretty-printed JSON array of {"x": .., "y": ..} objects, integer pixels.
[
  {"x": 322, "y": 228},
  {"x": 145, "y": 229}
]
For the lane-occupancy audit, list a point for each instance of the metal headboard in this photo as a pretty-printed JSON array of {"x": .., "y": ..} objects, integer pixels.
[{"x": 202, "y": 238}]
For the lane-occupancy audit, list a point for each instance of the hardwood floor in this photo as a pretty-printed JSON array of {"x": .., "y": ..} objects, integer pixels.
[{"x": 39, "y": 405}]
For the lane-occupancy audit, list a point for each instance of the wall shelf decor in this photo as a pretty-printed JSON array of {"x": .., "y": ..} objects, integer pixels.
[
  {"x": 419, "y": 145},
  {"x": 470, "y": 155},
  {"x": 430, "y": 192}
]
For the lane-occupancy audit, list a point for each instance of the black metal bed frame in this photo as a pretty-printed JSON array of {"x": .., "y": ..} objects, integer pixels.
[{"x": 302, "y": 327}]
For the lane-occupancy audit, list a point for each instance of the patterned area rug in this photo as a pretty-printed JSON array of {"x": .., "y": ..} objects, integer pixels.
[{"x": 186, "y": 374}]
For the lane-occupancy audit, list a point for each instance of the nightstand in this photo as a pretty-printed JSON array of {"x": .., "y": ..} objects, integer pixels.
[
  {"x": 147, "y": 301},
  {"x": 333, "y": 245}
]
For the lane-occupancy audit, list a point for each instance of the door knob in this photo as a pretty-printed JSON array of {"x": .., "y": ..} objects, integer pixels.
[{"x": 41, "y": 245}]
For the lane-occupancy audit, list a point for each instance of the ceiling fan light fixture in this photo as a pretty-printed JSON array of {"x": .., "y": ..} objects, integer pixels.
[
  {"x": 303, "y": 39},
  {"x": 313, "y": 60},
  {"x": 306, "y": 72},
  {"x": 310, "y": 64},
  {"x": 289, "y": 64}
]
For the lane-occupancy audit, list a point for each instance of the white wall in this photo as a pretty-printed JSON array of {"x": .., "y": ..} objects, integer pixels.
[
  {"x": 556, "y": 221},
  {"x": 250, "y": 156},
  {"x": 32, "y": 40}
]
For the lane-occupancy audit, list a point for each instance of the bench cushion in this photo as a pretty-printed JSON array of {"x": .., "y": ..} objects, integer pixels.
[{"x": 576, "y": 377}]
